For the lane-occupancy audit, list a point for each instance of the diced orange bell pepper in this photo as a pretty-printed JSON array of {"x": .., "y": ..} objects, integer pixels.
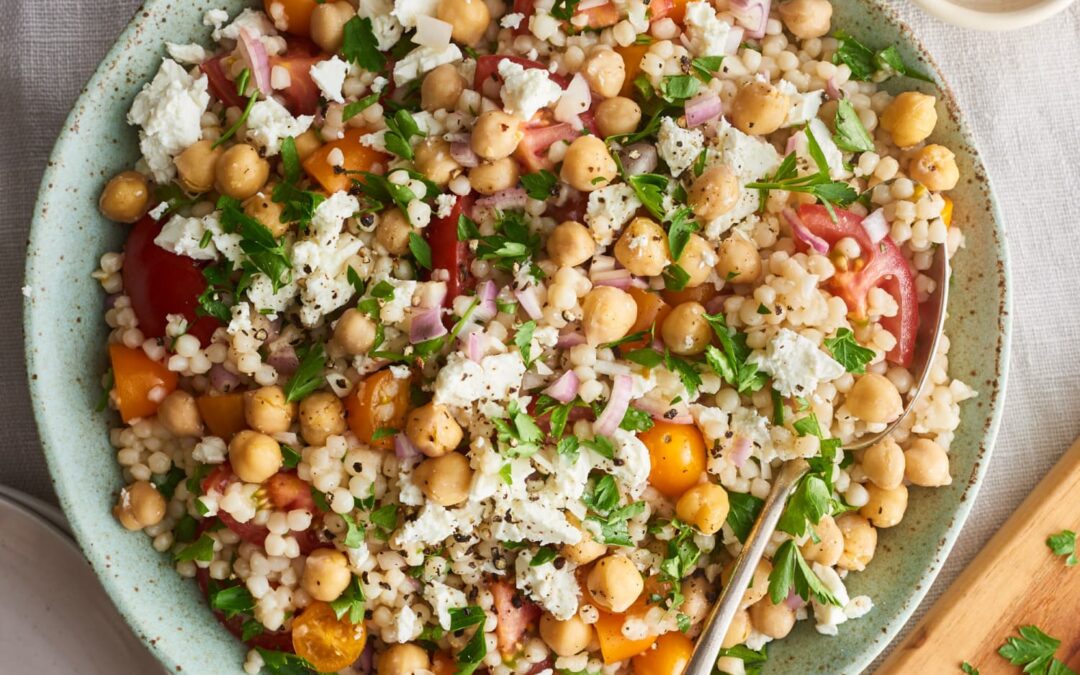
[
  {"x": 614, "y": 646},
  {"x": 140, "y": 382},
  {"x": 670, "y": 657},
  {"x": 946, "y": 212},
  {"x": 442, "y": 663},
  {"x": 631, "y": 55},
  {"x": 357, "y": 158},
  {"x": 223, "y": 415}
]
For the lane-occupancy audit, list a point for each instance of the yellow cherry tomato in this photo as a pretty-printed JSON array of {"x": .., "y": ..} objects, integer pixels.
[
  {"x": 379, "y": 401},
  {"x": 669, "y": 657},
  {"x": 325, "y": 641},
  {"x": 677, "y": 454}
]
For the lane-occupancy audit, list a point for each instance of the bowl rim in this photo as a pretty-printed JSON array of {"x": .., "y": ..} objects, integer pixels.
[{"x": 49, "y": 430}]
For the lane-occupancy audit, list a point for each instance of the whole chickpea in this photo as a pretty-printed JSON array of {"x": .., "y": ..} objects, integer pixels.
[
  {"x": 492, "y": 177},
  {"x": 445, "y": 479},
  {"x": 738, "y": 261},
  {"x": 885, "y": 508},
  {"x": 739, "y": 631},
  {"x": 328, "y": 24},
  {"x": 469, "y": 19},
  {"x": 714, "y": 192},
  {"x": 759, "y": 583},
  {"x": 883, "y": 464},
  {"x": 697, "y": 260},
  {"x": 586, "y": 550},
  {"x": 264, "y": 209},
  {"x": 565, "y": 638},
  {"x": 254, "y": 456},
  {"x": 403, "y": 659},
  {"x": 860, "y": 541},
  {"x": 392, "y": 231},
  {"x": 604, "y": 70},
  {"x": 935, "y": 167},
  {"x": 267, "y": 410},
  {"x": 617, "y": 115},
  {"x": 195, "y": 166},
  {"x": 608, "y": 313},
  {"x": 326, "y": 574},
  {"x": 179, "y": 414},
  {"x": 588, "y": 165},
  {"x": 643, "y": 248},
  {"x": 829, "y": 546},
  {"x": 705, "y": 506},
  {"x": 685, "y": 330},
  {"x": 140, "y": 505},
  {"x": 322, "y": 415},
  {"x": 926, "y": 464},
  {"x": 570, "y": 244},
  {"x": 776, "y": 621},
  {"x": 307, "y": 143},
  {"x": 441, "y": 88},
  {"x": 615, "y": 583},
  {"x": 433, "y": 430},
  {"x": 875, "y": 399},
  {"x": 355, "y": 332},
  {"x": 910, "y": 118},
  {"x": 240, "y": 172},
  {"x": 699, "y": 596},
  {"x": 759, "y": 108},
  {"x": 496, "y": 134},
  {"x": 806, "y": 19},
  {"x": 125, "y": 197},
  {"x": 434, "y": 161}
]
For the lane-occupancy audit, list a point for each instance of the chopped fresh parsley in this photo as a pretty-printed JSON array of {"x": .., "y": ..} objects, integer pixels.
[
  {"x": 777, "y": 408},
  {"x": 230, "y": 601},
  {"x": 1064, "y": 544},
  {"x": 601, "y": 445},
  {"x": 383, "y": 432},
  {"x": 850, "y": 133},
  {"x": 212, "y": 301},
  {"x": 543, "y": 555},
  {"x": 250, "y": 629},
  {"x": 378, "y": 192},
  {"x": 679, "y": 231},
  {"x": 682, "y": 556},
  {"x": 202, "y": 550},
  {"x": 732, "y": 360},
  {"x": 264, "y": 252},
  {"x": 354, "y": 531},
  {"x": 568, "y": 447},
  {"x": 706, "y": 66},
  {"x": 517, "y": 432},
  {"x": 167, "y": 483},
  {"x": 308, "y": 375},
  {"x": 1034, "y": 650},
  {"x": 290, "y": 160},
  {"x": 185, "y": 529},
  {"x": 675, "y": 277},
  {"x": 849, "y": 353},
  {"x": 420, "y": 249},
  {"x": 602, "y": 495},
  {"x": 742, "y": 513},
  {"x": 231, "y": 131},
  {"x": 385, "y": 519},
  {"x": 400, "y": 128},
  {"x": 173, "y": 195},
  {"x": 290, "y": 457},
  {"x": 753, "y": 661},
  {"x": 284, "y": 663},
  {"x": 675, "y": 88},
  {"x": 351, "y": 602},
  {"x": 810, "y": 501},
  {"x": 650, "y": 189},
  {"x": 613, "y": 527},
  {"x": 648, "y": 130},
  {"x": 636, "y": 420},
  {"x": 540, "y": 185},
  {"x": 360, "y": 46},
  {"x": 865, "y": 64},
  {"x": 512, "y": 244},
  {"x": 820, "y": 184},
  {"x": 523, "y": 340},
  {"x": 564, "y": 10},
  {"x": 297, "y": 205},
  {"x": 356, "y": 107},
  {"x": 790, "y": 570},
  {"x": 474, "y": 651}
]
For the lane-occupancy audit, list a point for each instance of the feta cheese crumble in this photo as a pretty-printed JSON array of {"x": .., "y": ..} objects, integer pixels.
[
  {"x": 384, "y": 25},
  {"x": 678, "y": 147},
  {"x": 169, "y": 109},
  {"x": 422, "y": 60},
  {"x": 269, "y": 123},
  {"x": 751, "y": 159},
  {"x": 608, "y": 209},
  {"x": 526, "y": 90},
  {"x": 555, "y": 589},
  {"x": 708, "y": 34},
  {"x": 329, "y": 76},
  {"x": 797, "y": 366}
]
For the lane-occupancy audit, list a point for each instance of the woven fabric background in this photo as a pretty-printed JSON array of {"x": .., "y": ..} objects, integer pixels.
[{"x": 1020, "y": 94}]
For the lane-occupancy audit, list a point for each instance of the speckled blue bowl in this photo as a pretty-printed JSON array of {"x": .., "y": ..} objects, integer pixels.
[{"x": 65, "y": 357}]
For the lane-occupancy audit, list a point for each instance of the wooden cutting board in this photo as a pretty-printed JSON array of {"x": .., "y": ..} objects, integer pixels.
[{"x": 1014, "y": 581}]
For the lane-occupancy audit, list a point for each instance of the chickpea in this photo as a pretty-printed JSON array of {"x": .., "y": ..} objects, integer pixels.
[
  {"x": 739, "y": 631},
  {"x": 240, "y": 172},
  {"x": 739, "y": 261},
  {"x": 262, "y": 208},
  {"x": 441, "y": 88},
  {"x": 874, "y": 399},
  {"x": 266, "y": 410},
  {"x": 307, "y": 143},
  {"x": 759, "y": 108},
  {"x": 492, "y": 177},
  {"x": 565, "y": 638},
  {"x": 434, "y": 161},
  {"x": 698, "y": 597},
  {"x": 328, "y": 24},
  {"x": 355, "y": 332},
  {"x": 403, "y": 659},
  {"x": 615, "y": 583},
  {"x": 393, "y": 231},
  {"x": 697, "y": 260},
  {"x": 125, "y": 197},
  {"x": 496, "y": 134},
  {"x": 179, "y": 414},
  {"x": 254, "y": 456},
  {"x": 829, "y": 546},
  {"x": 570, "y": 244},
  {"x": 860, "y": 540},
  {"x": 883, "y": 464},
  {"x": 643, "y": 248},
  {"x": 714, "y": 192},
  {"x": 927, "y": 464},
  {"x": 776, "y": 621},
  {"x": 326, "y": 574},
  {"x": 935, "y": 167},
  {"x": 604, "y": 70},
  {"x": 588, "y": 165},
  {"x": 618, "y": 115},
  {"x": 885, "y": 508},
  {"x": 685, "y": 330},
  {"x": 586, "y": 550},
  {"x": 469, "y": 19},
  {"x": 445, "y": 479},
  {"x": 608, "y": 313},
  {"x": 321, "y": 415},
  {"x": 140, "y": 505},
  {"x": 705, "y": 506},
  {"x": 433, "y": 430},
  {"x": 195, "y": 166},
  {"x": 806, "y": 19},
  {"x": 759, "y": 583},
  {"x": 910, "y": 118}
]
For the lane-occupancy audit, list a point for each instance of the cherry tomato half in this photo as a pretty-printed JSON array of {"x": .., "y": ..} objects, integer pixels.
[
  {"x": 448, "y": 253},
  {"x": 294, "y": 16},
  {"x": 357, "y": 157},
  {"x": 669, "y": 656},
  {"x": 677, "y": 454},
  {"x": 327, "y": 642},
  {"x": 516, "y": 614},
  {"x": 379, "y": 401}
]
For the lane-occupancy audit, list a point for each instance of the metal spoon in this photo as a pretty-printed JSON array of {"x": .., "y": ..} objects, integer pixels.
[{"x": 717, "y": 623}]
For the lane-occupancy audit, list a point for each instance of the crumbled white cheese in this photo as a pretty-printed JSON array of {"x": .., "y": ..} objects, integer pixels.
[
  {"x": 708, "y": 33},
  {"x": 329, "y": 76},
  {"x": 444, "y": 204},
  {"x": 512, "y": 20},
  {"x": 834, "y": 157},
  {"x": 751, "y": 159},
  {"x": 555, "y": 589},
  {"x": 269, "y": 123},
  {"x": 462, "y": 382},
  {"x": 526, "y": 90},
  {"x": 796, "y": 364},
  {"x": 828, "y": 617},
  {"x": 191, "y": 54},
  {"x": 803, "y": 107},
  {"x": 394, "y": 308},
  {"x": 407, "y": 11},
  {"x": 262, "y": 296},
  {"x": 748, "y": 423},
  {"x": 442, "y": 599},
  {"x": 422, "y": 60},
  {"x": 407, "y": 625},
  {"x": 183, "y": 236},
  {"x": 631, "y": 463},
  {"x": 256, "y": 23},
  {"x": 241, "y": 319},
  {"x": 536, "y": 518},
  {"x": 326, "y": 287},
  {"x": 608, "y": 209},
  {"x": 435, "y": 523},
  {"x": 678, "y": 147},
  {"x": 215, "y": 18},
  {"x": 169, "y": 109},
  {"x": 329, "y": 217},
  {"x": 384, "y": 26},
  {"x": 158, "y": 211}
]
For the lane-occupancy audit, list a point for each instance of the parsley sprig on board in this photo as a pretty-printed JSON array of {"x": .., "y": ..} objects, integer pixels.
[
  {"x": 1034, "y": 650},
  {"x": 1064, "y": 544}
]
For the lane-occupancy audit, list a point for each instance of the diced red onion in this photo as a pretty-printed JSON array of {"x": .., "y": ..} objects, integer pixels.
[
  {"x": 432, "y": 32},
  {"x": 638, "y": 158},
  {"x": 792, "y": 143},
  {"x": 740, "y": 451},
  {"x": 426, "y": 325},
  {"x": 223, "y": 380},
  {"x": 734, "y": 40},
  {"x": 568, "y": 340},
  {"x": 565, "y": 388},
  {"x": 474, "y": 346},
  {"x": 615, "y": 409},
  {"x": 752, "y": 15},
  {"x": 620, "y": 278},
  {"x": 804, "y": 234},
  {"x": 875, "y": 226},
  {"x": 463, "y": 154},
  {"x": 832, "y": 90},
  {"x": 254, "y": 54},
  {"x": 365, "y": 665},
  {"x": 284, "y": 360},
  {"x": 703, "y": 108},
  {"x": 486, "y": 309},
  {"x": 715, "y": 305},
  {"x": 110, "y": 300},
  {"x": 793, "y": 600},
  {"x": 529, "y": 302},
  {"x": 510, "y": 198},
  {"x": 404, "y": 449},
  {"x": 575, "y": 100},
  {"x": 676, "y": 414}
]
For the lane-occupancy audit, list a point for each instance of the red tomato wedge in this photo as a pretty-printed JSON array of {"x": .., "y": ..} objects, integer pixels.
[
  {"x": 884, "y": 266},
  {"x": 515, "y": 614},
  {"x": 448, "y": 253},
  {"x": 279, "y": 641},
  {"x": 221, "y": 86},
  {"x": 542, "y": 133},
  {"x": 160, "y": 283},
  {"x": 301, "y": 97}
]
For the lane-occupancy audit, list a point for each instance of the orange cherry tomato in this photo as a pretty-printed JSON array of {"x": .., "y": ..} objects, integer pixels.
[
  {"x": 327, "y": 642},
  {"x": 701, "y": 294},
  {"x": 442, "y": 663},
  {"x": 677, "y": 454},
  {"x": 357, "y": 158},
  {"x": 294, "y": 14},
  {"x": 287, "y": 491},
  {"x": 651, "y": 310},
  {"x": 946, "y": 211},
  {"x": 670, "y": 656},
  {"x": 140, "y": 382},
  {"x": 614, "y": 646},
  {"x": 379, "y": 401},
  {"x": 223, "y": 415},
  {"x": 631, "y": 55},
  {"x": 672, "y": 9}
]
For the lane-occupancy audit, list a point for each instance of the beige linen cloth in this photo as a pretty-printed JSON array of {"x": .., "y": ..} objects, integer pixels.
[{"x": 1020, "y": 92}]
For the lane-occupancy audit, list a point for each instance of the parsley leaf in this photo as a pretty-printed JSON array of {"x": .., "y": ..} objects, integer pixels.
[
  {"x": 790, "y": 570},
  {"x": 636, "y": 420},
  {"x": 601, "y": 446},
  {"x": 650, "y": 189},
  {"x": 230, "y": 601},
  {"x": 250, "y": 629},
  {"x": 512, "y": 244},
  {"x": 166, "y": 484},
  {"x": 290, "y": 457},
  {"x": 385, "y": 518},
  {"x": 686, "y": 371},
  {"x": 360, "y": 46},
  {"x": 231, "y": 131},
  {"x": 298, "y": 205},
  {"x": 264, "y": 252},
  {"x": 809, "y": 503},
  {"x": 705, "y": 66},
  {"x": 540, "y": 185},
  {"x": 675, "y": 88},
  {"x": 829, "y": 192},
  {"x": 742, "y": 513},
  {"x": 350, "y": 602},
  {"x": 420, "y": 250},
  {"x": 356, "y": 107},
  {"x": 890, "y": 61},
  {"x": 543, "y": 555},
  {"x": 679, "y": 232},
  {"x": 865, "y": 63},
  {"x": 969, "y": 669},
  {"x": 523, "y": 340},
  {"x": 1064, "y": 544},
  {"x": 849, "y": 353},
  {"x": 517, "y": 432},
  {"x": 1034, "y": 650},
  {"x": 474, "y": 651},
  {"x": 400, "y": 128},
  {"x": 682, "y": 554},
  {"x": 753, "y": 661},
  {"x": 202, "y": 550},
  {"x": 284, "y": 663},
  {"x": 308, "y": 375},
  {"x": 602, "y": 496},
  {"x": 290, "y": 160},
  {"x": 354, "y": 532},
  {"x": 732, "y": 360},
  {"x": 564, "y": 10},
  {"x": 613, "y": 527},
  {"x": 850, "y": 133}
]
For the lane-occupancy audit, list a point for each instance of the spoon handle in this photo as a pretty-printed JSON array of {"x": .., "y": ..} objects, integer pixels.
[{"x": 719, "y": 620}]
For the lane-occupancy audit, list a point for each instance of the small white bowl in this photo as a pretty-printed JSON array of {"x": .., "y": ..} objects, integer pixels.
[{"x": 994, "y": 15}]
